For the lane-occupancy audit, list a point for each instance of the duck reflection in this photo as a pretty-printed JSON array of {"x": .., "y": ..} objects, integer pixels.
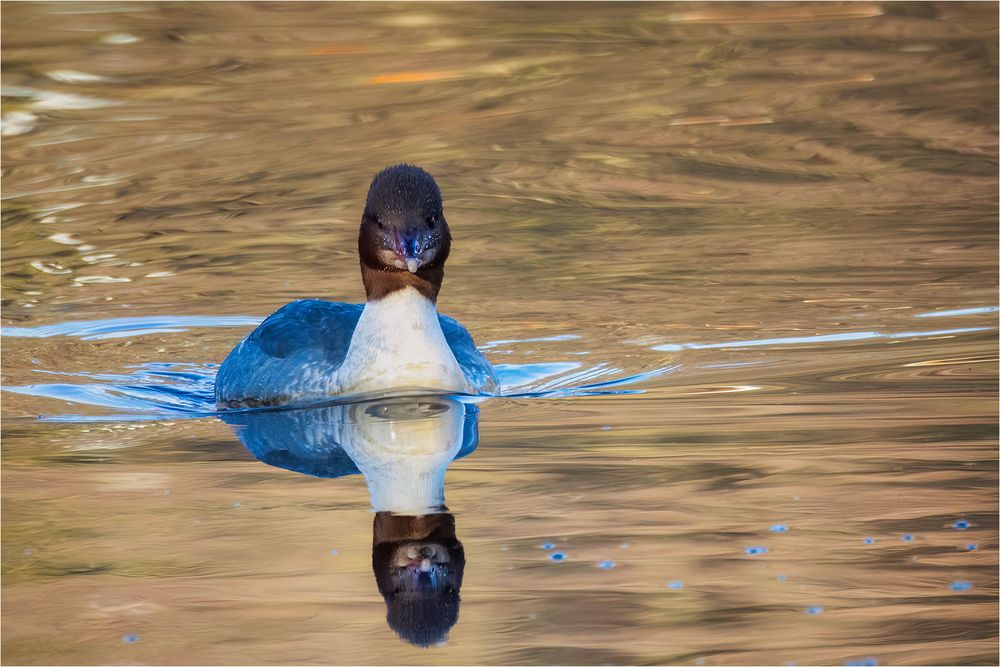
[{"x": 402, "y": 447}]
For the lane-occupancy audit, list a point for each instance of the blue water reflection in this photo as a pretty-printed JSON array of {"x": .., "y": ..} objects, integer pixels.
[{"x": 822, "y": 338}]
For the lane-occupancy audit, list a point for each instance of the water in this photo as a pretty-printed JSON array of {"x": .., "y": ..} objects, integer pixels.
[{"x": 738, "y": 264}]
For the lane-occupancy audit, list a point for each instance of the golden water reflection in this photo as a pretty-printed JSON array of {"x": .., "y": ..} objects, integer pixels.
[{"x": 731, "y": 191}]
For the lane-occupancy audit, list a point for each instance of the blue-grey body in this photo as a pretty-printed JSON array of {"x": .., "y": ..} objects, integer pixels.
[{"x": 296, "y": 354}]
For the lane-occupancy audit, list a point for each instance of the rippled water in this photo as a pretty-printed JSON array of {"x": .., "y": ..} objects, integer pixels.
[{"x": 736, "y": 263}]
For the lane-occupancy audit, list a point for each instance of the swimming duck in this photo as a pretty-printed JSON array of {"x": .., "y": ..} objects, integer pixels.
[{"x": 311, "y": 350}]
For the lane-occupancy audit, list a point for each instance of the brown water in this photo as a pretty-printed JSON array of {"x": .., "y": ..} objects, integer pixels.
[{"x": 767, "y": 200}]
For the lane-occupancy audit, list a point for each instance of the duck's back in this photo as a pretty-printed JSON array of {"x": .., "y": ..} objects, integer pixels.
[{"x": 295, "y": 354}]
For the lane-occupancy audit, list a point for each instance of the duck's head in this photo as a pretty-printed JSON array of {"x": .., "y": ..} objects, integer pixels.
[{"x": 404, "y": 238}]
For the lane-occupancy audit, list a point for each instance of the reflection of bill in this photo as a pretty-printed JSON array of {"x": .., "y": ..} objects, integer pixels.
[
  {"x": 418, "y": 564},
  {"x": 403, "y": 448}
]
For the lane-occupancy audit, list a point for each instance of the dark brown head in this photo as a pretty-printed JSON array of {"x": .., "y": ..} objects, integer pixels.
[{"x": 404, "y": 239}]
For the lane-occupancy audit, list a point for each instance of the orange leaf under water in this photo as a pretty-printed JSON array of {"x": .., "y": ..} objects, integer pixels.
[{"x": 412, "y": 77}]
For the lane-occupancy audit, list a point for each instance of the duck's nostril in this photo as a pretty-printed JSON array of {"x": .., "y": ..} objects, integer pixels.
[
  {"x": 411, "y": 243},
  {"x": 409, "y": 246}
]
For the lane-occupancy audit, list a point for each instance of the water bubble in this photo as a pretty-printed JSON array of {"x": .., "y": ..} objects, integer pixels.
[
  {"x": 782, "y": 577},
  {"x": 961, "y": 586},
  {"x": 28, "y": 551},
  {"x": 236, "y": 503},
  {"x": 557, "y": 556},
  {"x": 548, "y": 545},
  {"x": 87, "y": 280},
  {"x": 778, "y": 528},
  {"x": 755, "y": 551},
  {"x": 970, "y": 547},
  {"x": 869, "y": 540},
  {"x": 868, "y": 661},
  {"x": 814, "y": 610},
  {"x": 120, "y": 38},
  {"x": 961, "y": 524},
  {"x": 130, "y": 638},
  {"x": 17, "y": 122},
  {"x": 73, "y": 76},
  {"x": 604, "y": 564},
  {"x": 54, "y": 268},
  {"x": 907, "y": 537},
  {"x": 334, "y": 552},
  {"x": 65, "y": 239},
  {"x": 675, "y": 585},
  {"x": 624, "y": 545},
  {"x": 605, "y": 428}
]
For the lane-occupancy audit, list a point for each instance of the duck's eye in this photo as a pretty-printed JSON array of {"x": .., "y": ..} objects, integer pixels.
[
  {"x": 432, "y": 220},
  {"x": 378, "y": 222}
]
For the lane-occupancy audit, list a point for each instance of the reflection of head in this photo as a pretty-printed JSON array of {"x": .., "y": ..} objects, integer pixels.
[{"x": 418, "y": 564}]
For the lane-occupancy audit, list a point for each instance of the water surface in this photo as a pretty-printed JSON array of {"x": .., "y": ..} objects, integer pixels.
[{"x": 738, "y": 263}]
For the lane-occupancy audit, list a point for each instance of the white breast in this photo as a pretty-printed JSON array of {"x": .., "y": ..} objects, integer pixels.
[{"x": 398, "y": 344}]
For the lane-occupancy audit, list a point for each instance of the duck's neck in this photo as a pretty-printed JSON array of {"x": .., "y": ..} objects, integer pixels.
[
  {"x": 380, "y": 283},
  {"x": 398, "y": 344}
]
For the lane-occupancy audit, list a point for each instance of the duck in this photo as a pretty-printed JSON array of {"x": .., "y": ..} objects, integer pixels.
[{"x": 312, "y": 350}]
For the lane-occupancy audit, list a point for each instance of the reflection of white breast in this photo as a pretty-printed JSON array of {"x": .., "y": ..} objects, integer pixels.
[
  {"x": 403, "y": 449},
  {"x": 398, "y": 343}
]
